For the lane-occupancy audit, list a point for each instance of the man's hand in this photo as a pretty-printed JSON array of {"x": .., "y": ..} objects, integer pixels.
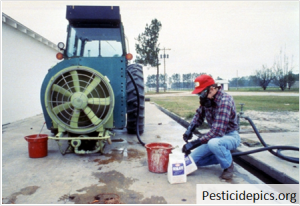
[
  {"x": 190, "y": 146},
  {"x": 189, "y": 132},
  {"x": 187, "y": 135}
]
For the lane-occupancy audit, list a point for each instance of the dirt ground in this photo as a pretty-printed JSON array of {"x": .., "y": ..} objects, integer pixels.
[{"x": 272, "y": 121}]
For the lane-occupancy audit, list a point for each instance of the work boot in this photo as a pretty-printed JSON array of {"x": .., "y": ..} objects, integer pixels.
[{"x": 228, "y": 173}]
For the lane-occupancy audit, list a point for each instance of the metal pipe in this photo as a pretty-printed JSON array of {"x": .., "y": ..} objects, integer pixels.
[{"x": 83, "y": 138}]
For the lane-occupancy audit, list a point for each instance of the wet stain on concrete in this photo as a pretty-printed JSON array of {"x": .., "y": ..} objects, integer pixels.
[
  {"x": 232, "y": 181},
  {"x": 130, "y": 143},
  {"x": 119, "y": 156},
  {"x": 25, "y": 191},
  {"x": 239, "y": 177},
  {"x": 117, "y": 140},
  {"x": 114, "y": 183},
  {"x": 144, "y": 162},
  {"x": 154, "y": 200}
]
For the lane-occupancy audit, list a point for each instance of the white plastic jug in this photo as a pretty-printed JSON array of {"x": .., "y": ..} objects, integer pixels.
[
  {"x": 190, "y": 165},
  {"x": 176, "y": 168}
]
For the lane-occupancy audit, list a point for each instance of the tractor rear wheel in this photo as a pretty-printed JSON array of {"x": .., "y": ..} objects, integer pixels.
[{"x": 132, "y": 104}]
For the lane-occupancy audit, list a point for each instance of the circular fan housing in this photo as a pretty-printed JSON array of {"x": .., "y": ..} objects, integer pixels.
[{"x": 79, "y": 99}]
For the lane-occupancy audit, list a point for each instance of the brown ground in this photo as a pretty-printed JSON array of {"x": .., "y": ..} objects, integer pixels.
[{"x": 274, "y": 121}]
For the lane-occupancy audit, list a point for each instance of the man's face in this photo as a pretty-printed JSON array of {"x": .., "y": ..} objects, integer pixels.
[
  {"x": 204, "y": 101},
  {"x": 203, "y": 94},
  {"x": 212, "y": 92}
]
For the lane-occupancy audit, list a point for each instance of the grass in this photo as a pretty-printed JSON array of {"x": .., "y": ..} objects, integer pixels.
[
  {"x": 232, "y": 89},
  {"x": 162, "y": 92},
  {"x": 268, "y": 103},
  {"x": 259, "y": 89},
  {"x": 182, "y": 106},
  {"x": 186, "y": 106}
]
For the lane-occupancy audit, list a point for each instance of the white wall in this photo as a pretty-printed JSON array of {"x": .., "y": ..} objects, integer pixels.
[
  {"x": 25, "y": 62},
  {"x": 224, "y": 84},
  {"x": 225, "y": 87}
]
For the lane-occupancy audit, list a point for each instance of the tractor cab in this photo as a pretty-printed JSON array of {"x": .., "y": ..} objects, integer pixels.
[
  {"x": 94, "y": 32},
  {"x": 94, "y": 42}
]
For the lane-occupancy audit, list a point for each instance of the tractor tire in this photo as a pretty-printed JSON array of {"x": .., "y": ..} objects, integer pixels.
[{"x": 132, "y": 104}]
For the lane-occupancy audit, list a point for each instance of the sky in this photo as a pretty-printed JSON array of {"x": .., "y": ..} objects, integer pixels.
[{"x": 226, "y": 39}]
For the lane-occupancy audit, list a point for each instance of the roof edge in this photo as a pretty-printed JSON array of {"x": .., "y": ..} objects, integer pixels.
[{"x": 17, "y": 25}]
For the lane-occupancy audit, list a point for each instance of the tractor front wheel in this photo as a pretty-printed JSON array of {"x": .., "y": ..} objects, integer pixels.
[{"x": 132, "y": 104}]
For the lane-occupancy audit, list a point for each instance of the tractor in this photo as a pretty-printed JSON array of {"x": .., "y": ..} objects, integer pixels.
[{"x": 94, "y": 89}]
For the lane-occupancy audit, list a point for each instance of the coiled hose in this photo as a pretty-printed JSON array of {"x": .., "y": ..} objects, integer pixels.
[
  {"x": 138, "y": 109},
  {"x": 269, "y": 148}
]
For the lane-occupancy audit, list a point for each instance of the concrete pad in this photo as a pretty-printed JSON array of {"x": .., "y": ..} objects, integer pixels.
[
  {"x": 281, "y": 170},
  {"x": 279, "y": 138},
  {"x": 80, "y": 179}
]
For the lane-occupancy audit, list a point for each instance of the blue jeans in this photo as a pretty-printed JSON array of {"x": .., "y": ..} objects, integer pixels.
[{"x": 217, "y": 150}]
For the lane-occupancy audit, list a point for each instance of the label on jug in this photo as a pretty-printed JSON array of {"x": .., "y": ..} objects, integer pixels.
[
  {"x": 187, "y": 161},
  {"x": 190, "y": 164},
  {"x": 178, "y": 169}
]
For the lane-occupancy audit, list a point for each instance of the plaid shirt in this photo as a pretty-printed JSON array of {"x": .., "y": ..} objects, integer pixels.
[{"x": 221, "y": 117}]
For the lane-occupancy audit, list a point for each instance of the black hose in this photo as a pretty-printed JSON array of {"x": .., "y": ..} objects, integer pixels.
[
  {"x": 138, "y": 109},
  {"x": 269, "y": 148}
]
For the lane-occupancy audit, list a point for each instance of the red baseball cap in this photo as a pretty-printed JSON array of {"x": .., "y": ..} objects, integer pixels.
[{"x": 201, "y": 82}]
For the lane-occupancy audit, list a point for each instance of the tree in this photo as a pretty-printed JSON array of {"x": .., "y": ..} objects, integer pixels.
[
  {"x": 282, "y": 69},
  {"x": 243, "y": 81},
  {"x": 238, "y": 82},
  {"x": 194, "y": 76},
  {"x": 176, "y": 80},
  {"x": 162, "y": 80},
  {"x": 151, "y": 81},
  {"x": 264, "y": 76},
  {"x": 291, "y": 79},
  {"x": 187, "y": 80},
  {"x": 170, "y": 81},
  {"x": 232, "y": 82},
  {"x": 252, "y": 80},
  {"x": 147, "y": 48}
]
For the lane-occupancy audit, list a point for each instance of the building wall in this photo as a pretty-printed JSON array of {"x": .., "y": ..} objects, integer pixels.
[
  {"x": 25, "y": 62},
  {"x": 224, "y": 84}
]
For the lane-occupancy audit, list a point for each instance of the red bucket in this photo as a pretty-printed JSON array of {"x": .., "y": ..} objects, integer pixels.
[
  {"x": 37, "y": 145},
  {"x": 158, "y": 156}
]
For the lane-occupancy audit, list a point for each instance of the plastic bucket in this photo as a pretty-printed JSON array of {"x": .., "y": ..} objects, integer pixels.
[
  {"x": 37, "y": 145},
  {"x": 158, "y": 156}
]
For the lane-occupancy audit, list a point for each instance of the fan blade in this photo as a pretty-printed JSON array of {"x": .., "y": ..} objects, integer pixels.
[
  {"x": 61, "y": 107},
  {"x": 74, "y": 119},
  {"x": 61, "y": 90},
  {"x": 75, "y": 80},
  {"x": 92, "y": 85},
  {"x": 99, "y": 101},
  {"x": 91, "y": 115}
]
